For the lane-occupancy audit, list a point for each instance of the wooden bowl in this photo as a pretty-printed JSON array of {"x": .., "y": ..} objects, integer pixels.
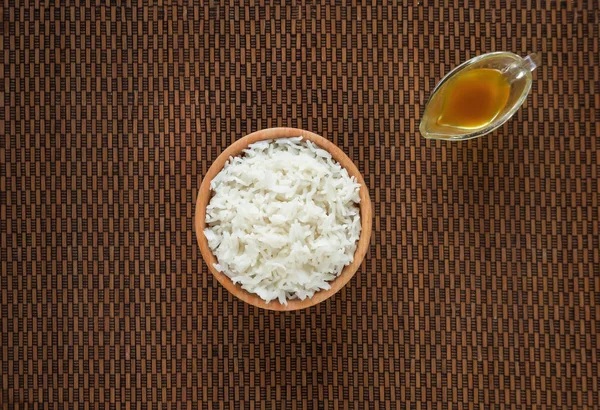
[{"x": 366, "y": 216}]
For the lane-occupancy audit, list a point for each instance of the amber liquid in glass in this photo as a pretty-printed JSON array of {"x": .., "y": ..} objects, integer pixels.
[{"x": 474, "y": 98}]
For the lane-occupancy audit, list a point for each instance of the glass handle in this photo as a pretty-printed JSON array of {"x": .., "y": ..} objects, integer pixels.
[
  {"x": 532, "y": 61},
  {"x": 518, "y": 70}
]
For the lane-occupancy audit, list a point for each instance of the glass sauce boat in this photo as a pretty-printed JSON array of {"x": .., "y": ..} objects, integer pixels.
[{"x": 470, "y": 89}]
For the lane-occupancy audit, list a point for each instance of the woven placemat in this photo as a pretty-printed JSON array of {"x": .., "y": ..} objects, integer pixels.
[{"x": 482, "y": 285}]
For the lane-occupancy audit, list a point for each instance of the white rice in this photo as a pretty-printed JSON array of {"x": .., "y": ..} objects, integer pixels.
[{"x": 284, "y": 219}]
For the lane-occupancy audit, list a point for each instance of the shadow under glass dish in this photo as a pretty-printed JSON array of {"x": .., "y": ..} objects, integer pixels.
[{"x": 503, "y": 76}]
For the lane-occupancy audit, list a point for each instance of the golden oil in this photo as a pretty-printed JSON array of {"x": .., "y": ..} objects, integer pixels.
[{"x": 473, "y": 99}]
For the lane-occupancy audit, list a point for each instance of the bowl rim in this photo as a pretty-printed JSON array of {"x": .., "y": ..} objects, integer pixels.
[{"x": 204, "y": 195}]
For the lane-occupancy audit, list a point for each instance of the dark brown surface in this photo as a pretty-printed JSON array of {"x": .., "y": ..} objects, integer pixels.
[{"x": 482, "y": 285}]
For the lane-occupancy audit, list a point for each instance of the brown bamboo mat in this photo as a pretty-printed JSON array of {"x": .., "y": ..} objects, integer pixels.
[{"x": 482, "y": 285}]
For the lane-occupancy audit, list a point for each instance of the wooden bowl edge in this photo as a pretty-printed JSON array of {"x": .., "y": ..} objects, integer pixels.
[{"x": 366, "y": 216}]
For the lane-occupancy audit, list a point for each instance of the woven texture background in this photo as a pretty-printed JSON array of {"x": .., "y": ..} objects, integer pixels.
[{"x": 482, "y": 285}]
